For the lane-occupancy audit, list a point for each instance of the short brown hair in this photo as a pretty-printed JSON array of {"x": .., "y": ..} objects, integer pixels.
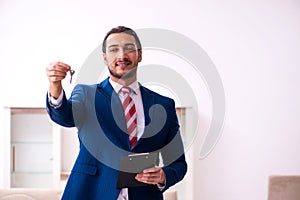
[{"x": 122, "y": 29}]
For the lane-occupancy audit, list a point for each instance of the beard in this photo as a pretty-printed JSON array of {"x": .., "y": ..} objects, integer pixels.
[{"x": 125, "y": 76}]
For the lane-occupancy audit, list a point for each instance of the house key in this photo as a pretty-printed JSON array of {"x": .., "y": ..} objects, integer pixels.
[{"x": 72, "y": 72}]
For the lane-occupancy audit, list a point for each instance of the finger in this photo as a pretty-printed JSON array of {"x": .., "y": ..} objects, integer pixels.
[
  {"x": 151, "y": 170},
  {"x": 58, "y": 66},
  {"x": 62, "y": 65},
  {"x": 56, "y": 74},
  {"x": 148, "y": 176},
  {"x": 148, "y": 180},
  {"x": 151, "y": 173},
  {"x": 55, "y": 78}
]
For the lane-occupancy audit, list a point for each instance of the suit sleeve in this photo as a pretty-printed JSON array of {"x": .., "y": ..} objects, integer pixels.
[
  {"x": 64, "y": 114},
  {"x": 173, "y": 154}
]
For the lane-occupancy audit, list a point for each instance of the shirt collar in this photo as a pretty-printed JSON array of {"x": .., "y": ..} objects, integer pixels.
[{"x": 117, "y": 87}]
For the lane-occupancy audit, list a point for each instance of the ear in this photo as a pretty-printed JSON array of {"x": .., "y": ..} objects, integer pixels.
[
  {"x": 104, "y": 58},
  {"x": 140, "y": 55}
]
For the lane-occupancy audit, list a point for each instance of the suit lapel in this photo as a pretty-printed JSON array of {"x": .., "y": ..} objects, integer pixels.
[
  {"x": 110, "y": 114},
  {"x": 111, "y": 117},
  {"x": 148, "y": 101}
]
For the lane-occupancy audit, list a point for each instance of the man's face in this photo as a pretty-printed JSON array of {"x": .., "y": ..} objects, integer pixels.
[{"x": 122, "y": 56}]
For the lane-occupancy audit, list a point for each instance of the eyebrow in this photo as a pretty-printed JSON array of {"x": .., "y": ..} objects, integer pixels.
[{"x": 116, "y": 45}]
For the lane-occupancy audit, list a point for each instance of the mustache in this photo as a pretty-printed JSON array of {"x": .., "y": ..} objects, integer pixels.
[
  {"x": 125, "y": 60},
  {"x": 128, "y": 75}
]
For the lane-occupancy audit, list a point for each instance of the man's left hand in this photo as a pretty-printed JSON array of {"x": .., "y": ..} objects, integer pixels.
[{"x": 155, "y": 175}]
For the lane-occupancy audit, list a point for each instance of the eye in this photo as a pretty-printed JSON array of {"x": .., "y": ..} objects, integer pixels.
[
  {"x": 113, "y": 50},
  {"x": 129, "y": 48}
]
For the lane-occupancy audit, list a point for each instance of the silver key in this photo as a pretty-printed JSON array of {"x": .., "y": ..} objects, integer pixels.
[{"x": 72, "y": 72}]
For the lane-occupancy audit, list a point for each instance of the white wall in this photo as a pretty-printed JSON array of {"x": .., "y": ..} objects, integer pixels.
[{"x": 254, "y": 44}]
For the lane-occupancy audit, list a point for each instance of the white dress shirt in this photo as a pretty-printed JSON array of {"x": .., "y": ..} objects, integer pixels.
[{"x": 137, "y": 99}]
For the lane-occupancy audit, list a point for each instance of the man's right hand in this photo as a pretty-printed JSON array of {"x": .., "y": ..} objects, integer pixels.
[{"x": 56, "y": 72}]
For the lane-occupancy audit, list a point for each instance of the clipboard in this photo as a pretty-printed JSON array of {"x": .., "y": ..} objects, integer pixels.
[{"x": 133, "y": 164}]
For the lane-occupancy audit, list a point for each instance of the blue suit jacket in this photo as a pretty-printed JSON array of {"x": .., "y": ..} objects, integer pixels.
[{"x": 97, "y": 113}]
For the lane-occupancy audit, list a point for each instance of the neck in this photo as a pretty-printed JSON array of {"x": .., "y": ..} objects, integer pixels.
[{"x": 123, "y": 81}]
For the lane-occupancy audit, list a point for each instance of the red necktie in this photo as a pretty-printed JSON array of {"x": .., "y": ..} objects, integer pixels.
[{"x": 130, "y": 115}]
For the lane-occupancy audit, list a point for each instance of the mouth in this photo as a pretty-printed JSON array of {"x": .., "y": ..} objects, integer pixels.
[{"x": 123, "y": 64}]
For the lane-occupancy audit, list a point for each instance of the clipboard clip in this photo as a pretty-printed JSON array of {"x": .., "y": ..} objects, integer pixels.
[{"x": 138, "y": 154}]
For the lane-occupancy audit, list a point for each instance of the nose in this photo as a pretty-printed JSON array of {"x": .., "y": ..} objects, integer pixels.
[{"x": 122, "y": 54}]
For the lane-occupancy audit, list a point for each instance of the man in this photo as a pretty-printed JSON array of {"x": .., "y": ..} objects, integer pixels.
[{"x": 117, "y": 117}]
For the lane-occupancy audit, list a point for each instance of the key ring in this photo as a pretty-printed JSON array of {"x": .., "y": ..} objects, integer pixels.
[{"x": 72, "y": 72}]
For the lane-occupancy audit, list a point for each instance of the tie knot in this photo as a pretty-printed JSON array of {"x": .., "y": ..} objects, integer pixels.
[{"x": 126, "y": 90}]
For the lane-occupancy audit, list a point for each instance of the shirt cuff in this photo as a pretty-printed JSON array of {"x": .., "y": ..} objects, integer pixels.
[
  {"x": 56, "y": 103},
  {"x": 161, "y": 186}
]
